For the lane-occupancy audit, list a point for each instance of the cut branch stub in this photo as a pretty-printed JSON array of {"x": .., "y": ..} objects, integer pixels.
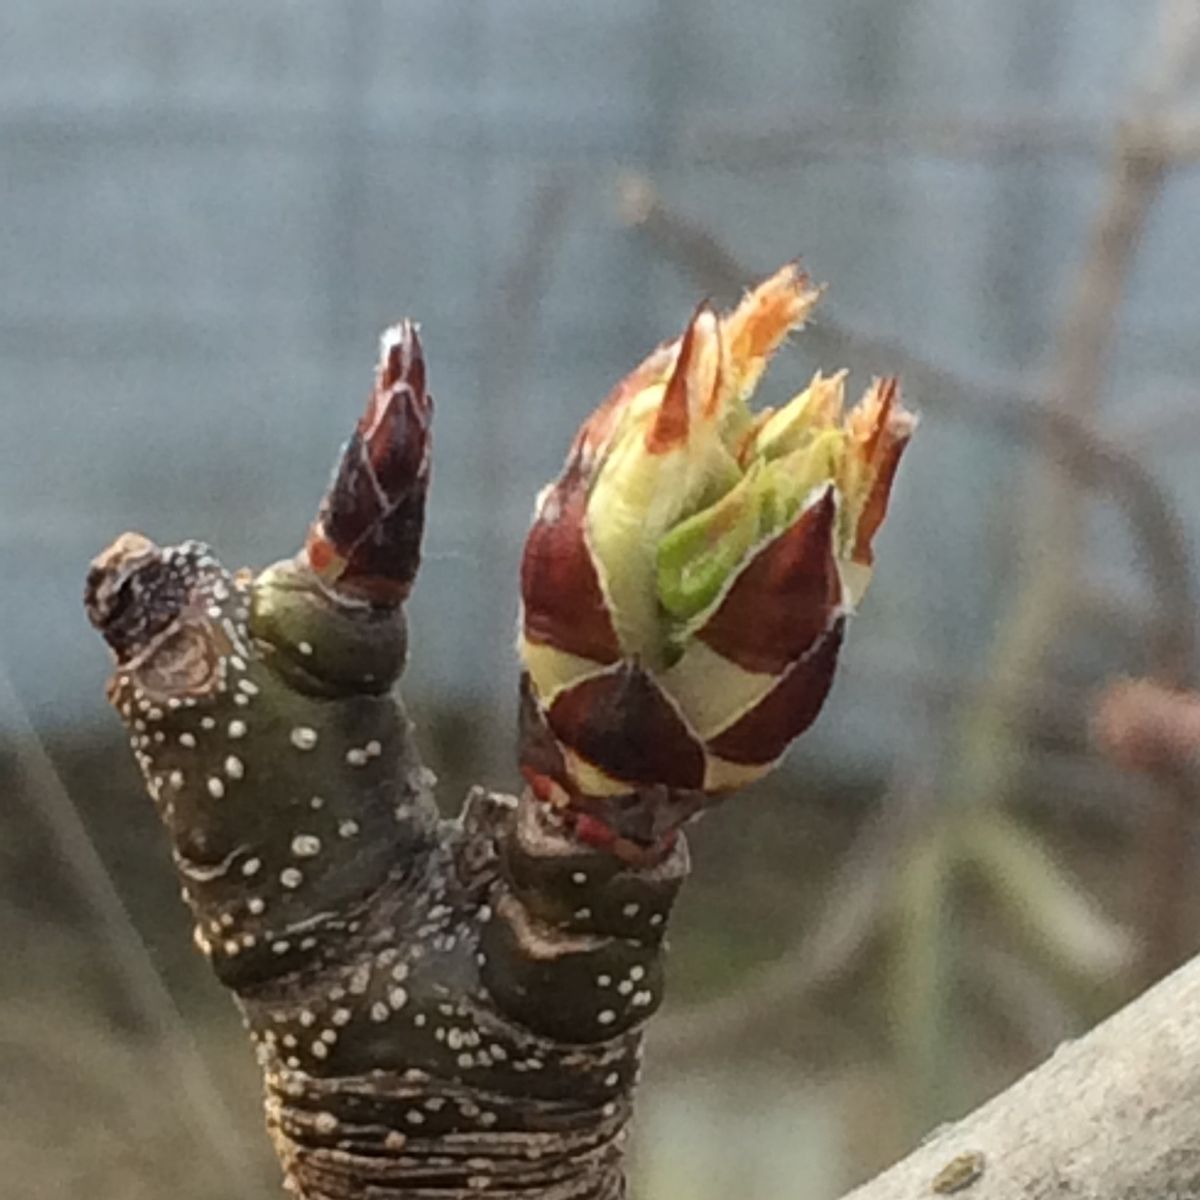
[{"x": 286, "y": 804}]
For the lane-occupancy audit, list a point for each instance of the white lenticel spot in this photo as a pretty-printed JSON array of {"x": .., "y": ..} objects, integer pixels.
[
  {"x": 251, "y": 866},
  {"x": 305, "y": 845},
  {"x": 303, "y": 737},
  {"x": 236, "y": 729},
  {"x": 290, "y": 877},
  {"x": 234, "y": 767},
  {"x": 216, "y": 789}
]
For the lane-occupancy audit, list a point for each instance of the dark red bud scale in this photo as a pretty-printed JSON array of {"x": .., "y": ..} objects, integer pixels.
[
  {"x": 622, "y": 721},
  {"x": 671, "y": 423},
  {"x": 765, "y": 732},
  {"x": 884, "y": 453},
  {"x": 366, "y": 540},
  {"x": 563, "y": 602},
  {"x": 784, "y": 599}
]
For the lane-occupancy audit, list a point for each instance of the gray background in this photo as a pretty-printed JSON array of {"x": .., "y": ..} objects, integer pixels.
[{"x": 209, "y": 211}]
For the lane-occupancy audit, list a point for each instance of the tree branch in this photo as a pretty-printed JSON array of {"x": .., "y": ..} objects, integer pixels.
[{"x": 1109, "y": 1117}]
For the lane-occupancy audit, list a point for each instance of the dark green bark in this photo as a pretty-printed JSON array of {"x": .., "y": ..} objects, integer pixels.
[{"x": 439, "y": 1007}]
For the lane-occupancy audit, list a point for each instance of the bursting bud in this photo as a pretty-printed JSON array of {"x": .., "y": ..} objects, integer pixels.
[{"x": 687, "y": 578}]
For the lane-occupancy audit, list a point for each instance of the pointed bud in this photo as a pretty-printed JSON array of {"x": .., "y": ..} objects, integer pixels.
[
  {"x": 366, "y": 541},
  {"x": 687, "y": 579}
]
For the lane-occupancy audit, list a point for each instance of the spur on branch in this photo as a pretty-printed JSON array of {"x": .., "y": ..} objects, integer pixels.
[{"x": 448, "y": 1007}]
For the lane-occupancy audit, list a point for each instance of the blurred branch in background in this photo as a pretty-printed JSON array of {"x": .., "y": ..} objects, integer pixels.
[
  {"x": 810, "y": 137},
  {"x": 1109, "y": 1117},
  {"x": 1145, "y": 726},
  {"x": 1142, "y": 159},
  {"x": 974, "y": 839},
  {"x": 513, "y": 322},
  {"x": 184, "y": 1074},
  {"x": 848, "y": 920}
]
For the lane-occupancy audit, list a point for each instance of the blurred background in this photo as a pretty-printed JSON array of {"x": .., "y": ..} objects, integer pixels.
[{"x": 986, "y": 844}]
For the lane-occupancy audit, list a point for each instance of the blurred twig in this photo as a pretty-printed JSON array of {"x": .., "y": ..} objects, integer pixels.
[
  {"x": 1110, "y": 1116},
  {"x": 513, "y": 320},
  {"x": 1142, "y": 725},
  {"x": 847, "y": 919},
  {"x": 814, "y": 136},
  {"x": 191, "y": 1083},
  {"x": 1142, "y": 157},
  {"x": 991, "y": 749},
  {"x": 1021, "y": 997}
]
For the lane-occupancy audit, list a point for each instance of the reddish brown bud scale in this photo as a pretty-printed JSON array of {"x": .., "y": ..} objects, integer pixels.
[
  {"x": 764, "y": 733},
  {"x": 598, "y": 428},
  {"x": 883, "y": 448},
  {"x": 670, "y": 427},
  {"x": 366, "y": 540},
  {"x": 623, "y": 723},
  {"x": 785, "y": 598},
  {"x": 542, "y": 761},
  {"x": 563, "y": 601}
]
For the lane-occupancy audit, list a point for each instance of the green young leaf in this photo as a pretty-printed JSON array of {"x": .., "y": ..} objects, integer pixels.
[{"x": 699, "y": 554}]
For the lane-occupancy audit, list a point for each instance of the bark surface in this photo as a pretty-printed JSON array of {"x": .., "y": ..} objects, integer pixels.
[
  {"x": 1111, "y": 1116},
  {"x": 439, "y": 1007}
]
